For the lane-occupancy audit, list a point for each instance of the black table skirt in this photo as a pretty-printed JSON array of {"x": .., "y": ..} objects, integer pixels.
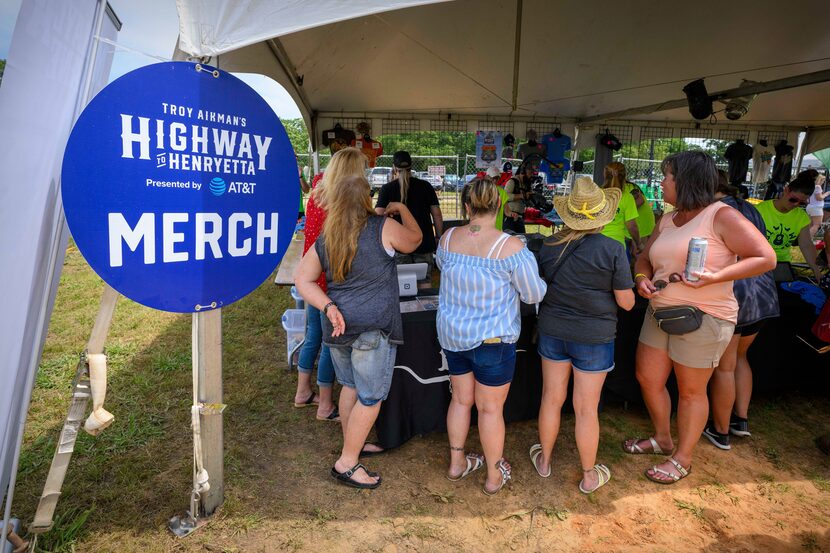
[{"x": 420, "y": 393}]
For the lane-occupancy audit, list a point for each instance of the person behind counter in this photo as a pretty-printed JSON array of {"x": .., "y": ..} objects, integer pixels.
[
  {"x": 362, "y": 324},
  {"x": 690, "y": 341},
  {"x": 420, "y": 198},
  {"x": 518, "y": 189},
  {"x": 624, "y": 222},
  {"x": 787, "y": 223},
  {"x": 588, "y": 276},
  {"x": 484, "y": 275}
]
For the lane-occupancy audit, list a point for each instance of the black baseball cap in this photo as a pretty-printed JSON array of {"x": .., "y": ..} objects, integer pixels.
[{"x": 402, "y": 160}]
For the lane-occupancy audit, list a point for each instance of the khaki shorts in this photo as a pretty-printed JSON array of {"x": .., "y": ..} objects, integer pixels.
[{"x": 701, "y": 349}]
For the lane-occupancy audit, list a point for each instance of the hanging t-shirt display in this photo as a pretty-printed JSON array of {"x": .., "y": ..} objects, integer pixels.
[
  {"x": 782, "y": 169},
  {"x": 532, "y": 148},
  {"x": 556, "y": 144},
  {"x": 761, "y": 162},
  {"x": 337, "y": 137},
  {"x": 370, "y": 148},
  {"x": 738, "y": 155}
]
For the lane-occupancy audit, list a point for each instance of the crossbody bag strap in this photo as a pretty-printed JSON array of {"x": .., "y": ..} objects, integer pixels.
[{"x": 563, "y": 259}]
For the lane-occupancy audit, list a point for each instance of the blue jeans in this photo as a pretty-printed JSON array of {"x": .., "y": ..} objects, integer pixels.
[
  {"x": 366, "y": 365},
  {"x": 491, "y": 364},
  {"x": 589, "y": 358},
  {"x": 312, "y": 344}
]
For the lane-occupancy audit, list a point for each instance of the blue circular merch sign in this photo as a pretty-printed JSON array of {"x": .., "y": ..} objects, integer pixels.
[{"x": 180, "y": 187}]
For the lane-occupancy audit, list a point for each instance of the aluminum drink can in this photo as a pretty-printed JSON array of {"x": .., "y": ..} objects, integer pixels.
[{"x": 696, "y": 258}]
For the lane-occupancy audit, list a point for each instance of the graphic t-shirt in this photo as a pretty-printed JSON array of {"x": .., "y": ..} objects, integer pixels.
[
  {"x": 370, "y": 148},
  {"x": 555, "y": 148},
  {"x": 420, "y": 197},
  {"x": 579, "y": 305},
  {"x": 536, "y": 148},
  {"x": 782, "y": 228},
  {"x": 761, "y": 162},
  {"x": 338, "y": 135},
  {"x": 626, "y": 211},
  {"x": 782, "y": 169},
  {"x": 738, "y": 154}
]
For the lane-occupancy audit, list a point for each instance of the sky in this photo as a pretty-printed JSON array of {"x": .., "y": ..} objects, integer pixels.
[{"x": 151, "y": 27}]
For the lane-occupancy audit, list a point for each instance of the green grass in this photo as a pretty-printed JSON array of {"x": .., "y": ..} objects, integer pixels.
[
  {"x": 123, "y": 485},
  {"x": 68, "y": 528}
]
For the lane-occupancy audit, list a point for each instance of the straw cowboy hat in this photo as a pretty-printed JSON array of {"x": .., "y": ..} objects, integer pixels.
[{"x": 587, "y": 206}]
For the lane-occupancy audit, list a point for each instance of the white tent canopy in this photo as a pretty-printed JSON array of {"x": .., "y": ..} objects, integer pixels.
[{"x": 519, "y": 60}]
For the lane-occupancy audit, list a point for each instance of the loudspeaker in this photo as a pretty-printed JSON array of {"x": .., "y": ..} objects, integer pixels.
[{"x": 700, "y": 105}]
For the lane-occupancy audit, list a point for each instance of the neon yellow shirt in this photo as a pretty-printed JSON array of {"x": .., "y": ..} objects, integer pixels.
[
  {"x": 645, "y": 219},
  {"x": 645, "y": 214},
  {"x": 500, "y": 214},
  {"x": 782, "y": 228},
  {"x": 626, "y": 211}
]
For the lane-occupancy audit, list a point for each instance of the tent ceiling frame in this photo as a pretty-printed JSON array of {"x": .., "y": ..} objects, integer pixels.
[
  {"x": 431, "y": 116},
  {"x": 517, "y": 52},
  {"x": 746, "y": 90}
]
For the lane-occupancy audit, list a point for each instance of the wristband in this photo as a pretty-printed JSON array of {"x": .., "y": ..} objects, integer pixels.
[
  {"x": 639, "y": 275},
  {"x": 326, "y": 307}
]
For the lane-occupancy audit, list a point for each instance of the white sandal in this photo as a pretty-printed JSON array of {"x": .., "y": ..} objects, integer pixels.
[
  {"x": 535, "y": 452},
  {"x": 506, "y": 471},
  {"x": 604, "y": 475},
  {"x": 667, "y": 477},
  {"x": 474, "y": 462},
  {"x": 634, "y": 449}
]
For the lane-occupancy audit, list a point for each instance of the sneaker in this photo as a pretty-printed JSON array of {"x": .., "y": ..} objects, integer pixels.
[
  {"x": 719, "y": 440},
  {"x": 739, "y": 427}
]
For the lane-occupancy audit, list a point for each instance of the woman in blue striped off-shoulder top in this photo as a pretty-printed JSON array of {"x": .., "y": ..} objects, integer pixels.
[{"x": 484, "y": 275}]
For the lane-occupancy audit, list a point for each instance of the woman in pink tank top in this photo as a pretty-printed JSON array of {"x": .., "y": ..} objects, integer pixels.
[{"x": 736, "y": 250}]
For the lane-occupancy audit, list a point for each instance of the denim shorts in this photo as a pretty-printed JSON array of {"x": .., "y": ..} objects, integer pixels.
[
  {"x": 491, "y": 364},
  {"x": 366, "y": 365},
  {"x": 589, "y": 358}
]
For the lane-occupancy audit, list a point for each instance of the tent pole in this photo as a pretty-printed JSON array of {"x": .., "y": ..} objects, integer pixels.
[
  {"x": 207, "y": 363},
  {"x": 517, "y": 47}
]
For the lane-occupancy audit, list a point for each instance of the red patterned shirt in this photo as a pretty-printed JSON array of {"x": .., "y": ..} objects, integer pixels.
[{"x": 314, "y": 219}]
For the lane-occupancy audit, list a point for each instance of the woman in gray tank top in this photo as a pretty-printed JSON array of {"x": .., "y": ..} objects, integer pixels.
[{"x": 362, "y": 322}]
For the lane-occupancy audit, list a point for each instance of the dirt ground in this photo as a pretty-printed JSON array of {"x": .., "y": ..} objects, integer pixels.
[
  {"x": 770, "y": 493},
  {"x": 743, "y": 500}
]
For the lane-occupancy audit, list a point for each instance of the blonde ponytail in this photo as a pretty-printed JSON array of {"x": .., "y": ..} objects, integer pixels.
[{"x": 403, "y": 179}]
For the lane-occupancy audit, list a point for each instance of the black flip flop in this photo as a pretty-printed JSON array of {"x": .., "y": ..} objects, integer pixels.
[
  {"x": 334, "y": 416},
  {"x": 309, "y": 401},
  {"x": 346, "y": 477},
  {"x": 364, "y": 453}
]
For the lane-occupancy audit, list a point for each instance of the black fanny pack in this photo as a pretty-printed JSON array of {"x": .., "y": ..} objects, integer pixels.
[{"x": 678, "y": 320}]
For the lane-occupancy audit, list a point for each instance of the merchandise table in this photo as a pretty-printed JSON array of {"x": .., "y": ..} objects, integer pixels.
[{"x": 420, "y": 391}]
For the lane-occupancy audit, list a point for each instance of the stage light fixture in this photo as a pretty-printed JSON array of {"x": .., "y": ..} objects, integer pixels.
[{"x": 700, "y": 104}]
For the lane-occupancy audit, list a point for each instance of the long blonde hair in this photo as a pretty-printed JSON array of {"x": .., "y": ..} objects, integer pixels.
[
  {"x": 348, "y": 207},
  {"x": 614, "y": 175},
  {"x": 403, "y": 179},
  {"x": 348, "y": 162},
  {"x": 567, "y": 235}
]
